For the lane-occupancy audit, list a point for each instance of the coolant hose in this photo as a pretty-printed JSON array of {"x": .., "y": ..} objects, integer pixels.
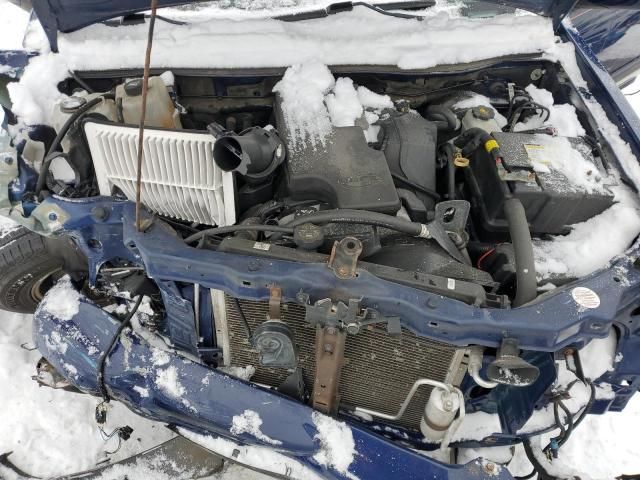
[
  {"x": 526, "y": 288},
  {"x": 443, "y": 116}
]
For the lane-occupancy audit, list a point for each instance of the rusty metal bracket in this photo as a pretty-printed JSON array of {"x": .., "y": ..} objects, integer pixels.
[
  {"x": 344, "y": 257},
  {"x": 330, "y": 342},
  {"x": 275, "y": 299}
]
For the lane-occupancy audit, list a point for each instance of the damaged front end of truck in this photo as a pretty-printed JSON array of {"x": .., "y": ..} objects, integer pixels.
[{"x": 333, "y": 272}]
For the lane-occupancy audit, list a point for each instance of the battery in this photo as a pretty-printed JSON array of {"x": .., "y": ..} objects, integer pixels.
[{"x": 557, "y": 179}]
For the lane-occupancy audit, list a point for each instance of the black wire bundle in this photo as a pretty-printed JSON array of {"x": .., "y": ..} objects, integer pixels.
[{"x": 521, "y": 102}]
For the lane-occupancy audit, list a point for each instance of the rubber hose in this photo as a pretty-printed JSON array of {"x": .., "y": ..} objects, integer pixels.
[
  {"x": 44, "y": 170},
  {"x": 360, "y": 217},
  {"x": 443, "y": 116},
  {"x": 526, "y": 289},
  {"x": 237, "y": 228}
]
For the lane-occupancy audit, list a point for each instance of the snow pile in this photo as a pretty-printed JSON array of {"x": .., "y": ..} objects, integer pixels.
[
  {"x": 599, "y": 355},
  {"x": 590, "y": 245},
  {"x": 557, "y": 153},
  {"x": 313, "y": 102},
  {"x": 337, "y": 447},
  {"x": 13, "y": 24},
  {"x": 360, "y": 37},
  {"x": 62, "y": 301},
  {"x": 167, "y": 380},
  {"x": 143, "y": 392},
  {"x": 243, "y": 373},
  {"x": 33, "y": 99},
  {"x": 476, "y": 426},
  {"x": 343, "y": 103},
  {"x": 303, "y": 88},
  {"x": 250, "y": 422},
  {"x": 562, "y": 117},
  {"x": 53, "y": 432}
]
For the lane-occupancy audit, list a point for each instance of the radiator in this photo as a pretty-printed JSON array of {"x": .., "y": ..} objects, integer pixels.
[
  {"x": 179, "y": 177},
  {"x": 379, "y": 369}
]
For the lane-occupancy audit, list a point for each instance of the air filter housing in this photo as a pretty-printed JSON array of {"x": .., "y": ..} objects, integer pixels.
[{"x": 179, "y": 176}]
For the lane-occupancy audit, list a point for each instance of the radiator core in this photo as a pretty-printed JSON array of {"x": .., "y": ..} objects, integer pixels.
[
  {"x": 379, "y": 369},
  {"x": 179, "y": 176}
]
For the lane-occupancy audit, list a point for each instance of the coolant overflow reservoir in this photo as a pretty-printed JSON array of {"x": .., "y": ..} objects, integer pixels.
[
  {"x": 160, "y": 112},
  {"x": 439, "y": 413}
]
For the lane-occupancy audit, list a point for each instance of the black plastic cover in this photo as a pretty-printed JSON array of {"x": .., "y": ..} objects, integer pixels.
[
  {"x": 409, "y": 145},
  {"x": 343, "y": 171}
]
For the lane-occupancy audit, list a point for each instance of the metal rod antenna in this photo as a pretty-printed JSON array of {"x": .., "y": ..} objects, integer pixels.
[{"x": 143, "y": 113}]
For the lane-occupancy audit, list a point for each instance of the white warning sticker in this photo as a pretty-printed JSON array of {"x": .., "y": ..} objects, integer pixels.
[
  {"x": 585, "y": 297},
  {"x": 261, "y": 246},
  {"x": 539, "y": 156}
]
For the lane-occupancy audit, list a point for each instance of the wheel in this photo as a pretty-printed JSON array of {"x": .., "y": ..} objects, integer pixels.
[{"x": 28, "y": 268}]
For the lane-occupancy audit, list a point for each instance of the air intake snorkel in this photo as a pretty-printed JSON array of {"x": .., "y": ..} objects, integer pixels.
[{"x": 255, "y": 153}]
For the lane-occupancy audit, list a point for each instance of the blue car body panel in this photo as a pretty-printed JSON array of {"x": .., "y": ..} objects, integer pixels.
[
  {"x": 543, "y": 328},
  {"x": 210, "y": 407}
]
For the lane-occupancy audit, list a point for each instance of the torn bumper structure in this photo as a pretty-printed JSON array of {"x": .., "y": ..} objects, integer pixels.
[
  {"x": 170, "y": 388},
  {"x": 180, "y": 389}
]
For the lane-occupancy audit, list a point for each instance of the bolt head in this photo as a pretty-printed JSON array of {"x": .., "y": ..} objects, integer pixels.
[
  {"x": 489, "y": 467},
  {"x": 8, "y": 160},
  {"x": 53, "y": 216}
]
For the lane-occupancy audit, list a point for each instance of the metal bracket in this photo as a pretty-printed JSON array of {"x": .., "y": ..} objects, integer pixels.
[
  {"x": 275, "y": 299},
  {"x": 344, "y": 257},
  {"x": 351, "y": 316},
  {"x": 330, "y": 343}
]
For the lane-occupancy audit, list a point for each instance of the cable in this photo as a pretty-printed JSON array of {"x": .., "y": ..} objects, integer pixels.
[
  {"x": 527, "y": 476},
  {"x": 237, "y": 228},
  {"x": 52, "y": 152},
  {"x": 81, "y": 82},
  {"x": 483, "y": 256},
  {"x": 433, "y": 194},
  {"x": 103, "y": 358},
  {"x": 569, "y": 428},
  {"x": 245, "y": 323}
]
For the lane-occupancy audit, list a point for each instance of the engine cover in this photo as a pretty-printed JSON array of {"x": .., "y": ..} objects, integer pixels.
[{"x": 343, "y": 171}]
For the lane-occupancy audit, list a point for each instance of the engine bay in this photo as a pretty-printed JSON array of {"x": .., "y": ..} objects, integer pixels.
[{"x": 487, "y": 159}]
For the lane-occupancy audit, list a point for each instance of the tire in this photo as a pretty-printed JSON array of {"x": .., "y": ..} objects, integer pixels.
[{"x": 28, "y": 268}]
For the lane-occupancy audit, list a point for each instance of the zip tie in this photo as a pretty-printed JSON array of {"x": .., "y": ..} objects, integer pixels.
[{"x": 424, "y": 231}]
